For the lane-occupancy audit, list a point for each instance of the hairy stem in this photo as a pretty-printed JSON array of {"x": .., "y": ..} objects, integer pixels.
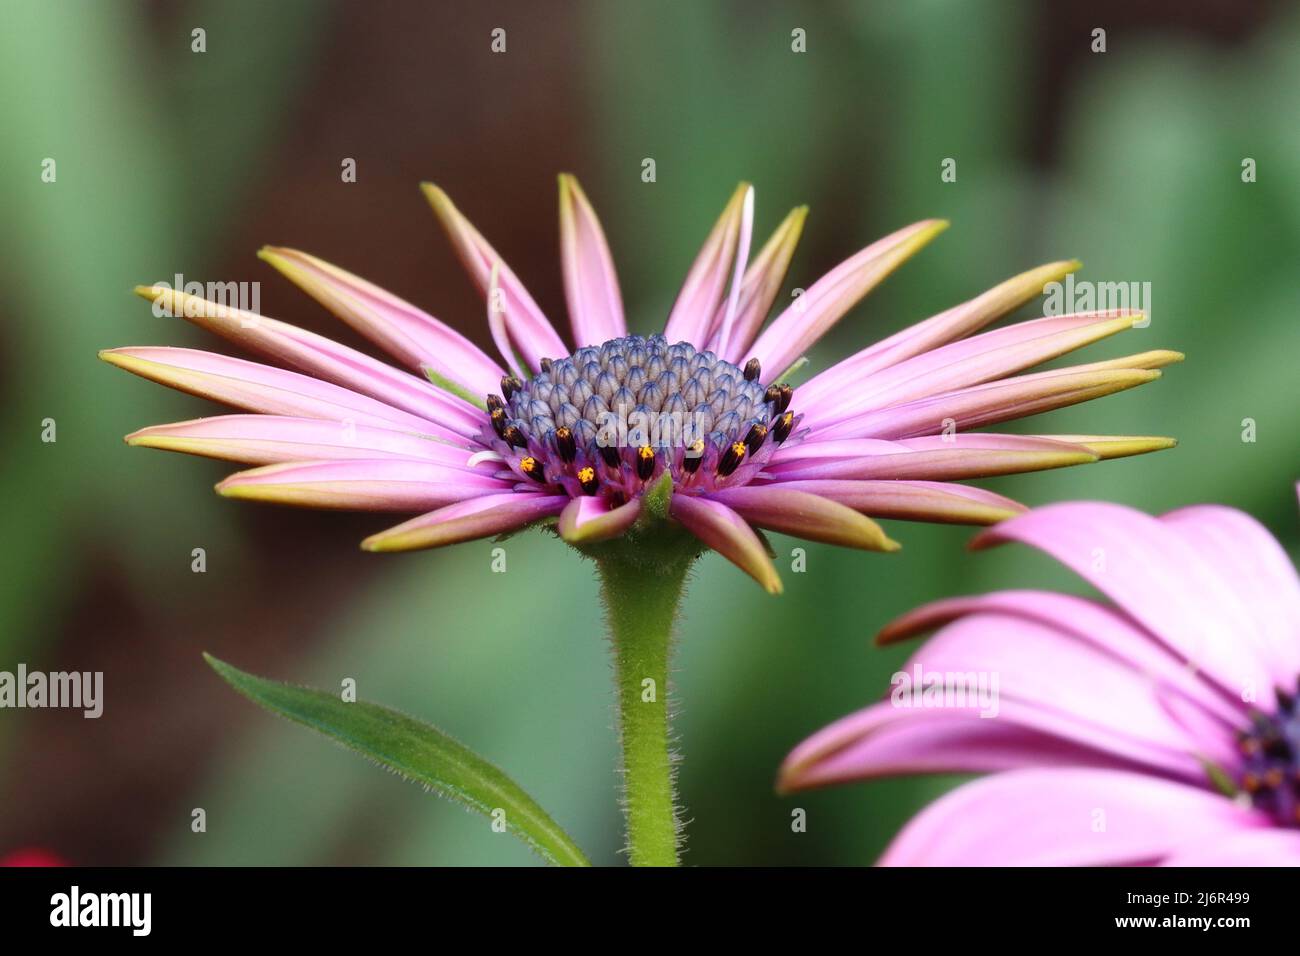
[{"x": 641, "y": 603}]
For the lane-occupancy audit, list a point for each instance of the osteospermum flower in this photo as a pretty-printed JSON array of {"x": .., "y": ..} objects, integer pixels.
[
  {"x": 575, "y": 431},
  {"x": 1161, "y": 728}
]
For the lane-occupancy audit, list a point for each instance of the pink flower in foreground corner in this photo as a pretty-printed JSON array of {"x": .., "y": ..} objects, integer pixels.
[
  {"x": 1160, "y": 729},
  {"x": 484, "y": 446}
]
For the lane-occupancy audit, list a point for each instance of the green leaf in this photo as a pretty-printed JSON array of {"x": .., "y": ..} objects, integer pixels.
[{"x": 414, "y": 750}]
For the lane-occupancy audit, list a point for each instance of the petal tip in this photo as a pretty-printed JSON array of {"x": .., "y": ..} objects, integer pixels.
[
  {"x": 392, "y": 541},
  {"x": 436, "y": 196},
  {"x": 791, "y": 778},
  {"x": 989, "y": 538},
  {"x": 117, "y": 357}
]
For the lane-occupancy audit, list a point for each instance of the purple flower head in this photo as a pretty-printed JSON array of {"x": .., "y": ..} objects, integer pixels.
[
  {"x": 706, "y": 413},
  {"x": 1160, "y": 728}
]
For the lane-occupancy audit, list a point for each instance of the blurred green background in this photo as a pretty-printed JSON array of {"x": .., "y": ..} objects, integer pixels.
[{"x": 174, "y": 161}]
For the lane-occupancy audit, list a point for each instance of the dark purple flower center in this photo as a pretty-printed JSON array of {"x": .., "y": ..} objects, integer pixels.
[
  {"x": 610, "y": 419},
  {"x": 1271, "y": 768}
]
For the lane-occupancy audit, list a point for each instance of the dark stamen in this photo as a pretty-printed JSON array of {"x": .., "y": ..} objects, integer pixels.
[
  {"x": 510, "y": 385},
  {"x": 645, "y": 462},
  {"x": 694, "y": 455},
  {"x": 587, "y": 478},
  {"x": 531, "y": 467},
  {"x": 731, "y": 458},
  {"x": 784, "y": 425},
  {"x": 755, "y": 436},
  {"x": 566, "y": 444},
  {"x": 513, "y": 437},
  {"x": 753, "y": 370},
  {"x": 784, "y": 394}
]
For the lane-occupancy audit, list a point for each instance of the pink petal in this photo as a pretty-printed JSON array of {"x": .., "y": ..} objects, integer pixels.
[
  {"x": 981, "y": 405},
  {"x": 261, "y": 388},
  {"x": 1254, "y": 847},
  {"x": 415, "y": 337},
  {"x": 359, "y": 484},
  {"x": 875, "y": 743},
  {"x": 949, "y": 326},
  {"x": 1066, "y": 817},
  {"x": 1150, "y": 572},
  {"x": 1106, "y": 447},
  {"x": 587, "y": 520},
  {"x": 796, "y": 329},
  {"x": 974, "y": 361},
  {"x": 476, "y": 518},
  {"x": 1256, "y": 571},
  {"x": 804, "y": 515},
  {"x": 914, "y": 500},
  {"x": 726, "y": 533},
  {"x": 1034, "y": 678},
  {"x": 271, "y": 439},
  {"x": 738, "y": 272},
  {"x": 1084, "y": 620},
  {"x": 939, "y": 457},
  {"x": 530, "y": 331},
  {"x": 324, "y": 359},
  {"x": 497, "y": 324},
  {"x": 691, "y": 318},
  {"x": 831, "y": 448},
  {"x": 1042, "y": 667},
  {"x": 590, "y": 282},
  {"x": 759, "y": 289}
]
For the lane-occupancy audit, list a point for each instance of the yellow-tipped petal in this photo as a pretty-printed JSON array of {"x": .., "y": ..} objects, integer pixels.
[
  {"x": 1117, "y": 446},
  {"x": 762, "y": 283},
  {"x": 704, "y": 289},
  {"x": 795, "y": 330},
  {"x": 1025, "y": 287}
]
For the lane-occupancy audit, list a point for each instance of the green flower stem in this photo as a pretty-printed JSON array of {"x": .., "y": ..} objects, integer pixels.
[{"x": 641, "y": 604}]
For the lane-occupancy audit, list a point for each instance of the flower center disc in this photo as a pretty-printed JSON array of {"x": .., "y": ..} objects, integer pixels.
[
  {"x": 1271, "y": 774},
  {"x": 610, "y": 419}
]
